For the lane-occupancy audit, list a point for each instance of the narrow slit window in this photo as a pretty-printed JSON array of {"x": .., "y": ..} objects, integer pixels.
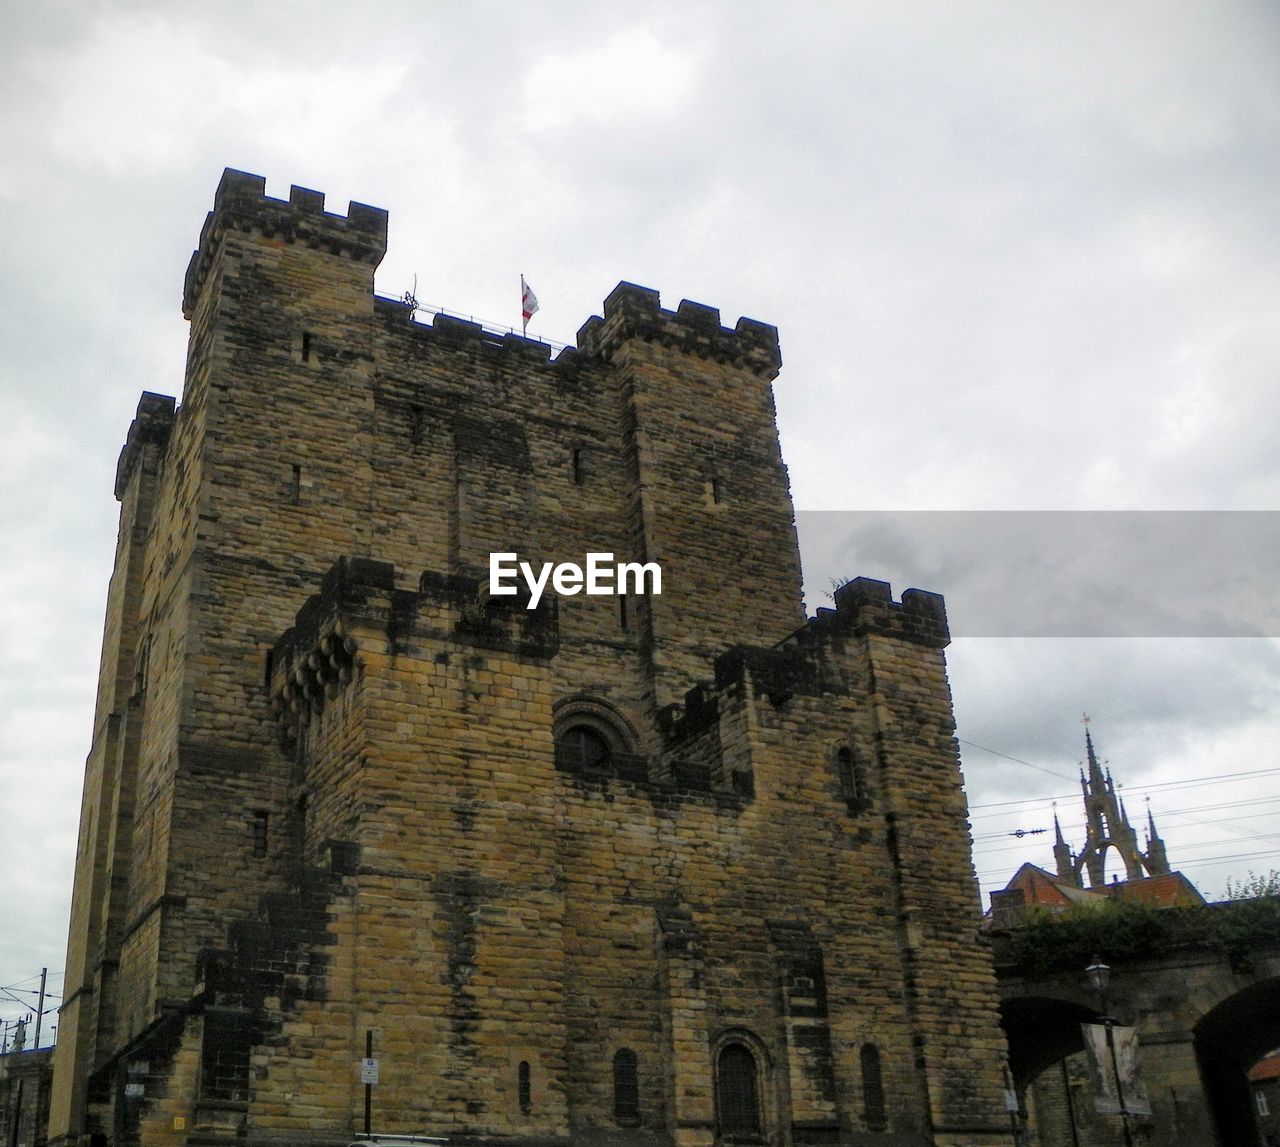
[
  {"x": 306, "y": 346},
  {"x": 577, "y": 467},
  {"x": 297, "y": 483},
  {"x": 524, "y": 1086},
  {"x": 260, "y": 822},
  {"x": 852, "y": 778},
  {"x": 872, "y": 1088},
  {"x": 624, "y": 621},
  {"x": 844, "y": 766},
  {"x": 626, "y": 1087},
  {"x": 717, "y": 490},
  {"x": 737, "y": 1092}
]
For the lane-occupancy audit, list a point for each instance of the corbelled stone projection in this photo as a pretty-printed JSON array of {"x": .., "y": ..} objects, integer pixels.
[{"x": 666, "y": 869}]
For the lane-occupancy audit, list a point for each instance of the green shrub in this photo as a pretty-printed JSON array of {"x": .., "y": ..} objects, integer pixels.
[{"x": 1122, "y": 932}]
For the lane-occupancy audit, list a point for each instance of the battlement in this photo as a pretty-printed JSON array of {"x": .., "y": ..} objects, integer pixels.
[
  {"x": 466, "y": 335},
  {"x": 866, "y": 606},
  {"x": 241, "y": 204},
  {"x": 150, "y": 426},
  {"x": 797, "y": 664},
  {"x": 315, "y": 657},
  {"x": 921, "y": 616},
  {"x": 635, "y": 312}
]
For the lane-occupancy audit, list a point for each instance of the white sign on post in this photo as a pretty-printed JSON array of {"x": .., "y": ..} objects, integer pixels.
[{"x": 369, "y": 1071}]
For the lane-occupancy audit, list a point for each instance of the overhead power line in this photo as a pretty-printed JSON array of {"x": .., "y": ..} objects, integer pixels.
[{"x": 1158, "y": 786}]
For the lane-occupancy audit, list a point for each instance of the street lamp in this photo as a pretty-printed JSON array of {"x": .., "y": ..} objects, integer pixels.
[{"x": 1100, "y": 976}]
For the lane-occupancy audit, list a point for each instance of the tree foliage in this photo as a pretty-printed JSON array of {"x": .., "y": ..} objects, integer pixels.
[
  {"x": 1121, "y": 932},
  {"x": 1254, "y": 885}
]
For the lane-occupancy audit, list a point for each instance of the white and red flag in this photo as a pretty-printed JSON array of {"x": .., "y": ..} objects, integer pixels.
[{"x": 528, "y": 303}]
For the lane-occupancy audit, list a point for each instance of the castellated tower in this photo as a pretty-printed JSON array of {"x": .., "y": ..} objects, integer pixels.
[{"x": 680, "y": 868}]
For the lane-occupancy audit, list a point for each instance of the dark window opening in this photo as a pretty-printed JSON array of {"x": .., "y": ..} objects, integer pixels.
[
  {"x": 224, "y": 1056},
  {"x": 417, "y": 420},
  {"x": 872, "y": 1088},
  {"x": 717, "y": 491},
  {"x": 626, "y": 1087},
  {"x": 306, "y": 346},
  {"x": 524, "y": 1086},
  {"x": 851, "y": 776},
  {"x": 269, "y": 667},
  {"x": 297, "y": 483},
  {"x": 737, "y": 1093},
  {"x": 260, "y": 820},
  {"x": 142, "y": 671},
  {"x": 579, "y": 472},
  {"x": 624, "y": 622},
  {"x": 583, "y": 748}
]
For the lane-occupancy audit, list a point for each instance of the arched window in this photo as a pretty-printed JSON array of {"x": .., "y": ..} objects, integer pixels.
[
  {"x": 737, "y": 1091},
  {"x": 626, "y": 1087},
  {"x": 872, "y": 1088},
  {"x": 594, "y": 739},
  {"x": 582, "y": 748}
]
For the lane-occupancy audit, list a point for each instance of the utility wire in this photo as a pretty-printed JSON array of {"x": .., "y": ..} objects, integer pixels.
[
  {"x": 1157, "y": 786},
  {"x": 1015, "y": 760}
]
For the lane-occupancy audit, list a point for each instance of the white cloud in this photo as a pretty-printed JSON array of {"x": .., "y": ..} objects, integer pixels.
[
  {"x": 142, "y": 92},
  {"x": 631, "y": 76}
]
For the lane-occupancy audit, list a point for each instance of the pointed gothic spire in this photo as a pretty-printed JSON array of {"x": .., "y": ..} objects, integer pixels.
[
  {"x": 1157, "y": 858},
  {"x": 1095, "y": 772},
  {"x": 1062, "y": 857}
]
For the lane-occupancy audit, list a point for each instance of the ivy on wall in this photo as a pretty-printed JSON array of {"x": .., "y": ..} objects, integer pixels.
[{"x": 1045, "y": 942}]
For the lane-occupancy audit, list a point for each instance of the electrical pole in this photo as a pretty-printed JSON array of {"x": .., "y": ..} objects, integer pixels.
[
  {"x": 35, "y": 1046},
  {"x": 368, "y": 1087}
]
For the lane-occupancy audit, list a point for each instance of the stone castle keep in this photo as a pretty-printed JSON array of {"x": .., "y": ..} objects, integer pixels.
[{"x": 676, "y": 869}]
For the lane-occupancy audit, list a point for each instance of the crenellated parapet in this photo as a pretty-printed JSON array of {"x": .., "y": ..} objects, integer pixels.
[
  {"x": 241, "y": 204},
  {"x": 800, "y": 665},
  {"x": 151, "y": 426},
  {"x": 359, "y": 606},
  {"x": 866, "y": 605},
  {"x": 464, "y": 336},
  {"x": 632, "y": 312}
]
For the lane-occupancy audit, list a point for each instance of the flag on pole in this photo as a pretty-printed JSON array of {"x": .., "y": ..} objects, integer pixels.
[{"x": 528, "y": 304}]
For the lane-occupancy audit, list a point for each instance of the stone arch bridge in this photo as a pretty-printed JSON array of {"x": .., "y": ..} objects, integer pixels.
[{"x": 1203, "y": 1017}]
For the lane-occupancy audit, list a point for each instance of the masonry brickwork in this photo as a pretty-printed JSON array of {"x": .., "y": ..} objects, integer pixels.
[{"x": 674, "y": 869}]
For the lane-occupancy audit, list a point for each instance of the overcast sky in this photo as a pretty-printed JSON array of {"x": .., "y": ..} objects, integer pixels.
[{"x": 1022, "y": 256}]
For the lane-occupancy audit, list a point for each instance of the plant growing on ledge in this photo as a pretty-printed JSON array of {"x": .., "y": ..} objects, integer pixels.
[{"x": 1044, "y": 942}]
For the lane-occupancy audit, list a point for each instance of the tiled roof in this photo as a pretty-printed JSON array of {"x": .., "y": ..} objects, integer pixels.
[
  {"x": 1168, "y": 891},
  {"x": 1265, "y": 1069}
]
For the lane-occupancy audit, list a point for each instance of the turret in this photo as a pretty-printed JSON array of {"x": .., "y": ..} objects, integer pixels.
[
  {"x": 1062, "y": 853},
  {"x": 1156, "y": 857}
]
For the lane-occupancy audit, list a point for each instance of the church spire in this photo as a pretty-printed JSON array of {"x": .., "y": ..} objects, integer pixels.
[
  {"x": 1096, "y": 782},
  {"x": 1157, "y": 859},
  {"x": 1107, "y": 826},
  {"x": 1062, "y": 857}
]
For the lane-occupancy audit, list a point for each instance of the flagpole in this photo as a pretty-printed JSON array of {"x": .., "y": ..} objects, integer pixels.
[{"x": 524, "y": 322}]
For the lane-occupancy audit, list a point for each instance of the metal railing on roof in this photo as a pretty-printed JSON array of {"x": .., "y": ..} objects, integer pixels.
[{"x": 489, "y": 327}]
